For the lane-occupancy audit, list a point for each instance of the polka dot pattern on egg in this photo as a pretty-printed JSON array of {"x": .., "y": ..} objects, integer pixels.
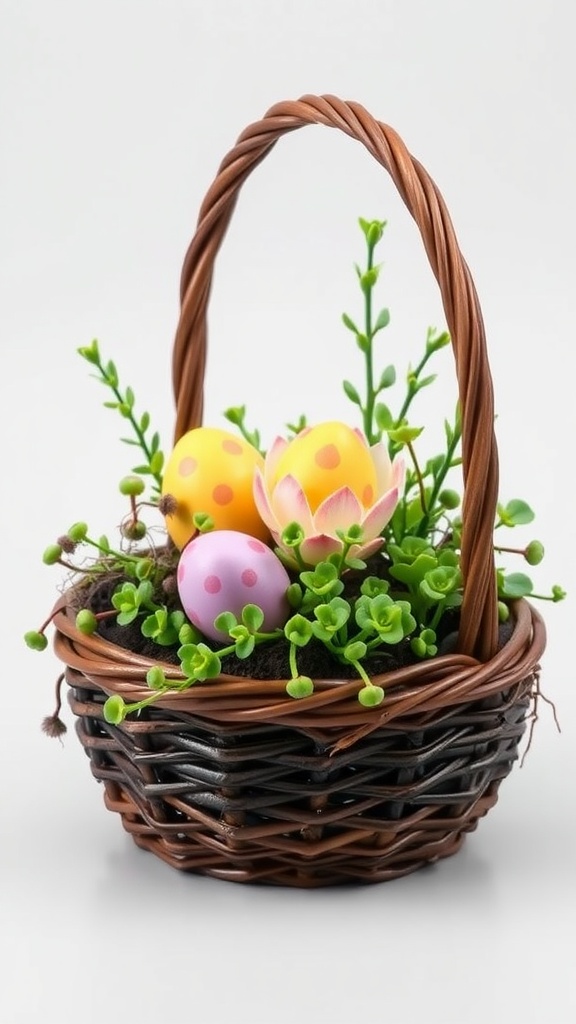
[
  {"x": 210, "y": 471},
  {"x": 224, "y": 570}
]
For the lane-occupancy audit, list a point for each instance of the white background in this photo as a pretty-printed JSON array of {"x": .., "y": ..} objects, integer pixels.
[{"x": 114, "y": 118}]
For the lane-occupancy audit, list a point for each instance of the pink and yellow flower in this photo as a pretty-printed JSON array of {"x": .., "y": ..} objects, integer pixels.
[{"x": 328, "y": 479}]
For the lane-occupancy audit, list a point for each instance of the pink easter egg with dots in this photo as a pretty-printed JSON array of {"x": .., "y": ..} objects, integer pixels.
[{"x": 224, "y": 570}]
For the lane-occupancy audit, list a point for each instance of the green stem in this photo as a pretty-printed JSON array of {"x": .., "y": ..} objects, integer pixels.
[
  {"x": 122, "y": 556},
  {"x": 412, "y": 389},
  {"x": 436, "y": 617},
  {"x": 419, "y": 476},
  {"x": 362, "y": 673},
  {"x": 293, "y": 663},
  {"x": 424, "y": 525},
  {"x": 510, "y": 551},
  {"x": 368, "y": 356}
]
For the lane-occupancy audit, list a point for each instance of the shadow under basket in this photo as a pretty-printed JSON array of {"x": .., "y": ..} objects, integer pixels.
[{"x": 232, "y": 777}]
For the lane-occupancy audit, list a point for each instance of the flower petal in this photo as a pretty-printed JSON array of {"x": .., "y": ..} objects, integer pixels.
[
  {"x": 316, "y": 549},
  {"x": 361, "y": 435},
  {"x": 337, "y": 512},
  {"x": 380, "y": 514},
  {"x": 366, "y": 550},
  {"x": 383, "y": 467},
  {"x": 399, "y": 472},
  {"x": 273, "y": 456},
  {"x": 262, "y": 502},
  {"x": 289, "y": 505}
]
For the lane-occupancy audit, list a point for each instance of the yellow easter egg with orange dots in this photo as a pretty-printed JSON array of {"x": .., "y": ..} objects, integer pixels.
[
  {"x": 327, "y": 457},
  {"x": 211, "y": 471}
]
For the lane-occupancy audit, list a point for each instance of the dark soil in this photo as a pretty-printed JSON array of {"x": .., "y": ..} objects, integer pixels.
[{"x": 268, "y": 661}]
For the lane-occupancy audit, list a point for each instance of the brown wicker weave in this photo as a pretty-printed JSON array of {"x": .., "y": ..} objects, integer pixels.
[{"x": 234, "y": 779}]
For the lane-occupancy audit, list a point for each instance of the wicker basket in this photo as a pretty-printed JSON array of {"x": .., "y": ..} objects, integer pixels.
[{"x": 234, "y": 779}]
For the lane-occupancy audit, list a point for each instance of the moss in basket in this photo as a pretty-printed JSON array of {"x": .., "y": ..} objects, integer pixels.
[{"x": 362, "y": 541}]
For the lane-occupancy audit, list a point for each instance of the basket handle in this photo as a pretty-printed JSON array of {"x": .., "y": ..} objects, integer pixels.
[{"x": 479, "y": 617}]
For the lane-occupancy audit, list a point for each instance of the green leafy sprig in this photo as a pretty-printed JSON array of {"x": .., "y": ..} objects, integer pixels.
[{"x": 124, "y": 401}]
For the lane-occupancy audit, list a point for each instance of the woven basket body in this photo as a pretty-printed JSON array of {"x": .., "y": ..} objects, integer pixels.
[{"x": 234, "y": 779}]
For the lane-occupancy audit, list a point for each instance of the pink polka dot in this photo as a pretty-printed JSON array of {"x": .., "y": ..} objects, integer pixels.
[
  {"x": 232, "y": 447},
  {"x": 249, "y": 578},
  {"x": 222, "y": 494},
  {"x": 187, "y": 465},
  {"x": 256, "y": 545},
  {"x": 212, "y": 585},
  {"x": 181, "y": 571},
  {"x": 327, "y": 457},
  {"x": 368, "y": 495}
]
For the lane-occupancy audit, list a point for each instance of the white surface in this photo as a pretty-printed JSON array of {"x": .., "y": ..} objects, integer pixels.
[{"x": 114, "y": 119}]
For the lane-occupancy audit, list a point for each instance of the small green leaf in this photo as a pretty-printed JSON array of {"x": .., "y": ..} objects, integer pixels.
[
  {"x": 188, "y": 634},
  {"x": 294, "y": 595},
  {"x": 354, "y": 651},
  {"x": 299, "y": 687},
  {"x": 436, "y": 341},
  {"x": 225, "y": 622},
  {"x": 351, "y": 392},
  {"x": 517, "y": 584},
  {"x": 202, "y": 522},
  {"x": 111, "y": 374},
  {"x": 371, "y": 696},
  {"x": 534, "y": 552},
  {"x": 52, "y": 554},
  {"x": 86, "y": 621},
  {"x": 156, "y": 678},
  {"x": 252, "y": 617},
  {"x": 349, "y": 323},
  {"x": 156, "y": 463},
  {"x": 387, "y": 378},
  {"x": 90, "y": 353},
  {"x": 114, "y": 710},
  {"x": 382, "y": 320},
  {"x": 515, "y": 513},
  {"x": 77, "y": 532},
  {"x": 383, "y": 416},
  {"x": 131, "y": 486},
  {"x": 244, "y": 647},
  {"x": 35, "y": 640},
  {"x": 298, "y": 630},
  {"x": 405, "y": 434},
  {"x": 292, "y": 535},
  {"x": 449, "y": 499}
]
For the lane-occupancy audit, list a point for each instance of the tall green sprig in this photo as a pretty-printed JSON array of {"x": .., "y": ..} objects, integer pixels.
[
  {"x": 124, "y": 401},
  {"x": 368, "y": 277}
]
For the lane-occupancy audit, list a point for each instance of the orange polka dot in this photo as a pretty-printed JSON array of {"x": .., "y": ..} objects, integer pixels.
[
  {"x": 368, "y": 495},
  {"x": 232, "y": 447},
  {"x": 187, "y": 465},
  {"x": 327, "y": 457},
  {"x": 222, "y": 494}
]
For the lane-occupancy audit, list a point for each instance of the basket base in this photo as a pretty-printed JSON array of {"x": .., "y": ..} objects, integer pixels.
[
  {"x": 274, "y": 804},
  {"x": 363, "y": 866}
]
